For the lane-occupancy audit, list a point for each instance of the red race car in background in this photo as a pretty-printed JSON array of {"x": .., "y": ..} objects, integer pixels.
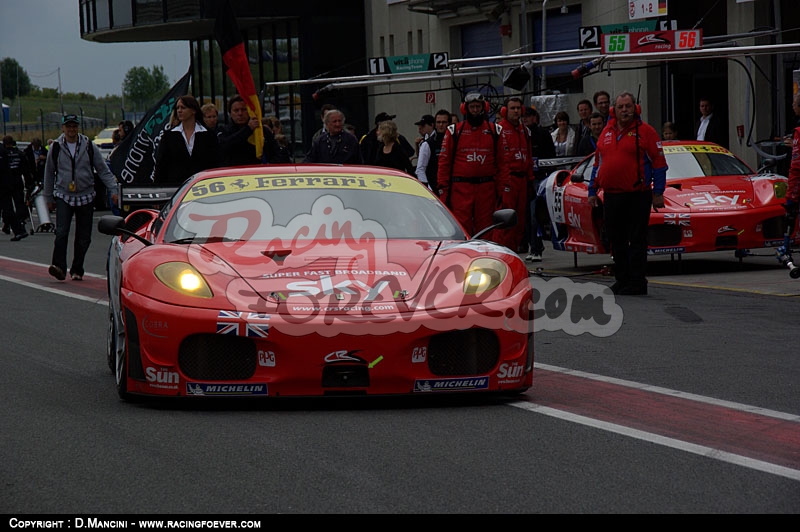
[
  {"x": 713, "y": 201},
  {"x": 312, "y": 280}
]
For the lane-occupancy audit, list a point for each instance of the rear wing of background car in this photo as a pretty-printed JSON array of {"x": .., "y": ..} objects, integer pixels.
[
  {"x": 133, "y": 197},
  {"x": 559, "y": 163}
]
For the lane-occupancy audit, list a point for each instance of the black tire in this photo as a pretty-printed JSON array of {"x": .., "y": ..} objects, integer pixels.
[
  {"x": 111, "y": 345},
  {"x": 121, "y": 363}
]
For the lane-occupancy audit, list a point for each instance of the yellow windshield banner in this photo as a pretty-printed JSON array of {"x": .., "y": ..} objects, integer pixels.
[
  {"x": 696, "y": 148},
  {"x": 258, "y": 183}
]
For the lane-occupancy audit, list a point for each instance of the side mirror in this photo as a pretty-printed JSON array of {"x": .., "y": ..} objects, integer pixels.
[
  {"x": 767, "y": 164},
  {"x": 502, "y": 219},
  {"x": 115, "y": 226}
]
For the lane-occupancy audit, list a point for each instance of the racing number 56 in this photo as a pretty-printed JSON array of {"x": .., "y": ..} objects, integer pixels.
[{"x": 687, "y": 39}]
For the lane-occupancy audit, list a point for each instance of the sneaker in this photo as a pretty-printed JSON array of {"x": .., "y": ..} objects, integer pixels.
[
  {"x": 535, "y": 257},
  {"x": 56, "y": 272},
  {"x": 77, "y": 277},
  {"x": 17, "y": 238}
]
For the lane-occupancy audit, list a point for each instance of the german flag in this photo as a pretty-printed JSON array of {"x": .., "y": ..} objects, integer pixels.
[{"x": 229, "y": 38}]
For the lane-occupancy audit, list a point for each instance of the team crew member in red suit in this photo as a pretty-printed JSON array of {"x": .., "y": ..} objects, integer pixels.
[
  {"x": 631, "y": 169},
  {"x": 472, "y": 166},
  {"x": 793, "y": 192},
  {"x": 518, "y": 159}
]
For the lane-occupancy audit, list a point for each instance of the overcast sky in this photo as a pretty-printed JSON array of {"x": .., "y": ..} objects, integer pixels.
[{"x": 44, "y": 35}]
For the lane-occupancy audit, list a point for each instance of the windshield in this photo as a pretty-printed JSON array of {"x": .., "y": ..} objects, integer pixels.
[
  {"x": 286, "y": 207},
  {"x": 702, "y": 160}
]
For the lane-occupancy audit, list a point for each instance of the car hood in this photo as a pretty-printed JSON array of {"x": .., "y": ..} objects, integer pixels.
[
  {"x": 710, "y": 193},
  {"x": 387, "y": 275}
]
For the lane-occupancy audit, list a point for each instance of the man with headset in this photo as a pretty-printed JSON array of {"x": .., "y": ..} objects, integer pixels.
[
  {"x": 630, "y": 168},
  {"x": 472, "y": 165}
]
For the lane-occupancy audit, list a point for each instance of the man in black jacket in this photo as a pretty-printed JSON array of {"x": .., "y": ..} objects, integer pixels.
[
  {"x": 541, "y": 148},
  {"x": 428, "y": 160},
  {"x": 235, "y": 149},
  {"x": 20, "y": 174},
  {"x": 710, "y": 127}
]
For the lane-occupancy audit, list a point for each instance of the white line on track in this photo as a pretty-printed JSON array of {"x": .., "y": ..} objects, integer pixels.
[
  {"x": 49, "y": 288},
  {"x": 701, "y": 450},
  {"x": 673, "y": 393}
]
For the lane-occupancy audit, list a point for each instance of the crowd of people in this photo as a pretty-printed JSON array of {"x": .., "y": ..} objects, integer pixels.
[{"x": 474, "y": 165}]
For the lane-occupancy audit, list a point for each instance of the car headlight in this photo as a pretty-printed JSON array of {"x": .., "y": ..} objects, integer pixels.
[
  {"x": 183, "y": 278},
  {"x": 484, "y": 274},
  {"x": 780, "y": 188}
]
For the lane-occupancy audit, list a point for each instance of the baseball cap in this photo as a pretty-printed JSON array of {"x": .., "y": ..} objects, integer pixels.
[
  {"x": 426, "y": 119},
  {"x": 383, "y": 117},
  {"x": 70, "y": 119}
]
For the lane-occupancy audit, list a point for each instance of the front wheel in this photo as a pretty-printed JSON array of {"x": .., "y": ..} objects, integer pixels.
[
  {"x": 120, "y": 354},
  {"x": 111, "y": 345}
]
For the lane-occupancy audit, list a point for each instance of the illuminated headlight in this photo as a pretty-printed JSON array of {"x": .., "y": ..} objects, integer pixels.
[
  {"x": 780, "y": 188},
  {"x": 484, "y": 274},
  {"x": 183, "y": 278}
]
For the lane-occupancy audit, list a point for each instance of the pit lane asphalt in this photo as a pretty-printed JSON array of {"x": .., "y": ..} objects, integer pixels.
[{"x": 758, "y": 273}]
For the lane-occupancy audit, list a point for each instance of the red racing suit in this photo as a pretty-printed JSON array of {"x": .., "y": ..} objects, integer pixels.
[
  {"x": 513, "y": 195},
  {"x": 793, "y": 192},
  {"x": 472, "y": 168}
]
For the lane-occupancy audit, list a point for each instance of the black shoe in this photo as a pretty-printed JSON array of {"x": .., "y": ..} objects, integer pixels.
[
  {"x": 17, "y": 238},
  {"x": 56, "y": 272},
  {"x": 6, "y": 229},
  {"x": 618, "y": 287},
  {"x": 633, "y": 290}
]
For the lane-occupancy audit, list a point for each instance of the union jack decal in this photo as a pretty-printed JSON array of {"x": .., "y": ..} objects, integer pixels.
[
  {"x": 250, "y": 324},
  {"x": 677, "y": 218}
]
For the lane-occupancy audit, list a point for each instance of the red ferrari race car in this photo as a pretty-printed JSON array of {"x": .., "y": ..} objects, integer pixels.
[
  {"x": 713, "y": 201},
  {"x": 312, "y": 280}
]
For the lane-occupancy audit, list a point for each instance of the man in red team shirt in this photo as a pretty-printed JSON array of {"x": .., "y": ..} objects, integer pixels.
[
  {"x": 472, "y": 167},
  {"x": 631, "y": 169},
  {"x": 793, "y": 192},
  {"x": 520, "y": 167}
]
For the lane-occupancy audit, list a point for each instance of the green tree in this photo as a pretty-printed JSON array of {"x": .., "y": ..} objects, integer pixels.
[
  {"x": 142, "y": 85},
  {"x": 9, "y": 71}
]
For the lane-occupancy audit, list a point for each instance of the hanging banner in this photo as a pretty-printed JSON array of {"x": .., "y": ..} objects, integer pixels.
[
  {"x": 133, "y": 161},
  {"x": 231, "y": 46}
]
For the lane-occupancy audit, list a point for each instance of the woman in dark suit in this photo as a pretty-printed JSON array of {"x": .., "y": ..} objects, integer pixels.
[
  {"x": 187, "y": 147},
  {"x": 389, "y": 152}
]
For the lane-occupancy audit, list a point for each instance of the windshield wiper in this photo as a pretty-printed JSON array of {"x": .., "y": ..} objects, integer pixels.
[{"x": 203, "y": 240}]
